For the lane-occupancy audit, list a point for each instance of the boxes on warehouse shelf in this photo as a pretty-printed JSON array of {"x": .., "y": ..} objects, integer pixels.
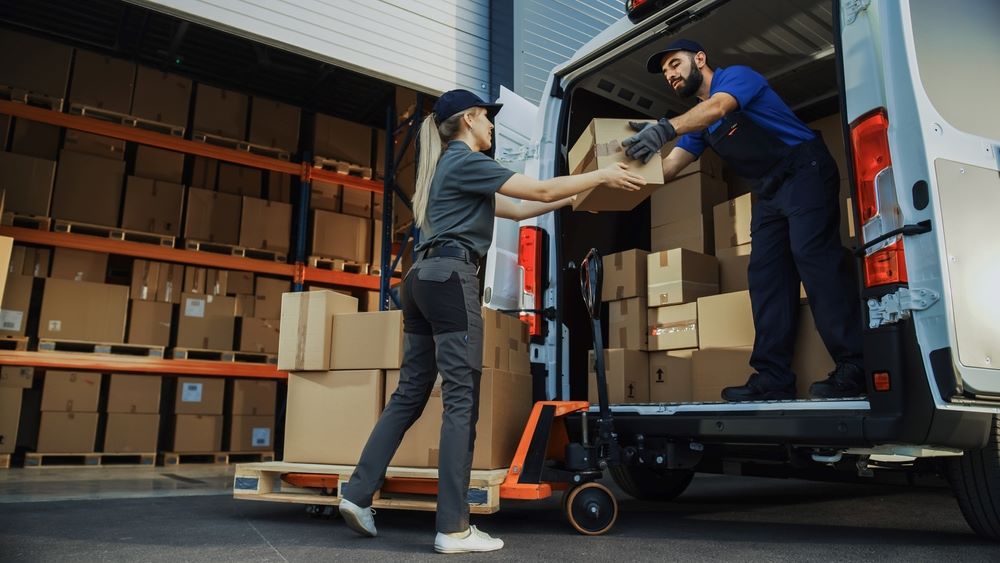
[
  {"x": 97, "y": 145},
  {"x": 162, "y": 97},
  {"x": 79, "y": 265},
  {"x": 21, "y": 377},
  {"x": 206, "y": 322},
  {"x": 159, "y": 164},
  {"x": 343, "y": 140},
  {"x": 212, "y": 216},
  {"x": 240, "y": 180},
  {"x": 274, "y": 124},
  {"x": 199, "y": 395},
  {"x": 10, "y": 417},
  {"x": 29, "y": 183},
  {"x": 102, "y": 82},
  {"x": 134, "y": 394},
  {"x": 268, "y": 297},
  {"x": 220, "y": 112},
  {"x": 67, "y": 432},
  {"x": 34, "y": 64},
  {"x": 83, "y": 179},
  {"x": 30, "y": 261},
  {"x": 131, "y": 433},
  {"x": 259, "y": 335},
  {"x": 150, "y": 322},
  {"x": 84, "y": 311},
  {"x": 254, "y": 397},
  {"x": 197, "y": 433},
  {"x": 15, "y": 304},
  {"x": 153, "y": 206},
  {"x": 35, "y": 139},
  {"x": 336, "y": 235},
  {"x": 71, "y": 391},
  {"x": 265, "y": 225},
  {"x": 208, "y": 281},
  {"x": 157, "y": 281}
]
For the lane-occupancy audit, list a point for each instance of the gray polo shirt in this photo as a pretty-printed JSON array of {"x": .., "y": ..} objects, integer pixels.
[{"x": 462, "y": 204}]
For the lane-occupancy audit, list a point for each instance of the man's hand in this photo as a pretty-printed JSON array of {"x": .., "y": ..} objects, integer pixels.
[{"x": 649, "y": 140}]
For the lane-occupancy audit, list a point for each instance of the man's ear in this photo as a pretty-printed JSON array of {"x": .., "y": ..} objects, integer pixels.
[{"x": 700, "y": 59}]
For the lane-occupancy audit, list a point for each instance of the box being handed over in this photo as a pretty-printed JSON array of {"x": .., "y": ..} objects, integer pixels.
[{"x": 599, "y": 145}]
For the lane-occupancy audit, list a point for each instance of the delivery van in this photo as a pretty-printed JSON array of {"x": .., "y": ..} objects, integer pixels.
[{"x": 912, "y": 86}]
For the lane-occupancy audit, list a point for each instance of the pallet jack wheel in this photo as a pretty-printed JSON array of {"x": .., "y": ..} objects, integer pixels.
[{"x": 591, "y": 508}]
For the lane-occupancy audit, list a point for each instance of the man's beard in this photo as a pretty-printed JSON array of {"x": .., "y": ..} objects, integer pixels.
[{"x": 692, "y": 82}]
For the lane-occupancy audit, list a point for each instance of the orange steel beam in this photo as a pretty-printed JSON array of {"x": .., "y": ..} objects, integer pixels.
[
  {"x": 336, "y": 277},
  {"x": 332, "y": 177},
  {"x": 133, "y": 364}
]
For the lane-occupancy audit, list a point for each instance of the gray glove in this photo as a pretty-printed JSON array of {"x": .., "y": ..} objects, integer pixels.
[{"x": 649, "y": 140}]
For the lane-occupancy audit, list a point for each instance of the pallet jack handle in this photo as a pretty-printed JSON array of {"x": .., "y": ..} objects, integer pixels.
[{"x": 591, "y": 279}]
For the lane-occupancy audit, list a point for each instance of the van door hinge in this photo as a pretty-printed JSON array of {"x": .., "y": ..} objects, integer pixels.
[
  {"x": 897, "y": 306},
  {"x": 854, "y": 7}
]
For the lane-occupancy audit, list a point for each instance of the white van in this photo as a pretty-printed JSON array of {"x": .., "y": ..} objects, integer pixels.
[{"x": 918, "y": 78}]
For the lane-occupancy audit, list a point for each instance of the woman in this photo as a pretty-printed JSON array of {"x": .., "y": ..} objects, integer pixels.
[{"x": 458, "y": 193}]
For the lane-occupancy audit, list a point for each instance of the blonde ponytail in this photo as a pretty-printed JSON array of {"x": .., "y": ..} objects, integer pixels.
[{"x": 430, "y": 152}]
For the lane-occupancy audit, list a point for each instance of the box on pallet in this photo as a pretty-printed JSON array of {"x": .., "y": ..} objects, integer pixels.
[
  {"x": 212, "y": 216},
  {"x": 162, "y": 97},
  {"x": 89, "y": 312},
  {"x": 204, "y": 173},
  {"x": 197, "y": 433},
  {"x": 150, "y": 322},
  {"x": 30, "y": 181},
  {"x": 255, "y": 397},
  {"x": 336, "y": 235},
  {"x": 670, "y": 376},
  {"x": 35, "y": 139},
  {"x": 14, "y": 305},
  {"x": 206, "y": 322},
  {"x": 134, "y": 394},
  {"x": 306, "y": 328},
  {"x": 131, "y": 433},
  {"x": 199, "y": 395},
  {"x": 673, "y": 327},
  {"x": 83, "y": 179},
  {"x": 152, "y": 206},
  {"x": 325, "y": 196},
  {"x": 274, "y": 124},
  {"x": 34, "y": 64},
  {"x": 342, "y": 140},
  {"x": 627, "y": 326},
  {"x": 79, "y": 265},
  {"x": 357, "y": 203},
  {"x": 67, "y": 432},
  {"x": 600, "y": 145},
  {"x": 627, "y": 374},
  {"x": 680, "y": 276},
  {"x": 159, "y": 164},
  {"x": 367, "y": 341},
  {"x": 624, "y": 275},
  {"x": 71, "y": 391},
  {"x": 279, "y": 187},
  {"x": 251, "y": 433},
  {"x": 97, "y": 145},
  {"x": 102, "y": 82},
  {"x": 10, "y": 417},
  {"x": 265, "y": 225},
  {"x": 220, "y": 112},
  {"x": 240, "y": 180},
  {"x": 259, "y": 335}
]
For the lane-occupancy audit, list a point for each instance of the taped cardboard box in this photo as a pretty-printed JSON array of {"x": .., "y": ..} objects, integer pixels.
[
  {"x": 83, "y": 179},
  {"x": 342, "y": 140},
  {"x": 670, "y": 376},
  {"x": 274, "y": 124},
  {"x": 239, "y": 283},
  {"x": 10, "y": 417},
  {"x": 600, "y": 145},
  {"x": 715, "y": 369},
  {"x": 30, "y": 261},
  {"x": 240, "y": 180},
  {"x": 134, "y": 394},
  {"x": 496, "y": 328},
  {"x": 341, "y": 236},
  {"x": 306, "y": 328},
  {"x": 367, "y": 341},
  {"x": 254, "y": 397},
  {"x": 35, "y": 139},
  {"x": 102, "y": 82},
  {"x": 624, "y": 275},
  {"x": 162, "y": 97},
  {"x": 627, "y": 326},
  {"x": 732, "y": 222},
  {"x": 269, "y": 295},
  {"x": 265, "y": 225},
  {"x": 725, "y": 321},
  {"x": 695, "y": 194},
  {"x": 28, "y": 183},
  {"x": 627, "y": 374},
  {"x": 220, "y": 112},
  {"x": 207, "y": 281},
  {"x": 21, "y": 377},
  {"x": 67, "y": 432},
  {"x": 251, "y": 433},
  {"x": 150, "y": 323},
  {"x": 170, "y": 283},
  {"x": 157, "y": 281},
  {"x": 519, "y": 344},
  {"x": 259, "y": 335},
  {"x": 199, "y": 395},
  {"x": 79, "y": 265},
  {"x": 680, "y": 276},
  {"x": 674, "y": 327},
  {"x": 89, "y": 312},
  {"x": 197, "y": 433},
  {"x": 97, "y": 145},
  {"x": 131, "y": 433},
  {"x": 71, "y": 391},
  {"x": 207, "y": 322},
  {"x": 15, "y": 305},
  {"x": 159, "y": 164},
  {"x": 733, "y": 265},
  {"x": 321, "y": 405},
  {"x": 325, "y": 196},
  {"x": 34, "y": 64},
  {"x": 213, "y": 216},
  {"x": 694, "y": 233},
  {"x": 152, "y": 206}
]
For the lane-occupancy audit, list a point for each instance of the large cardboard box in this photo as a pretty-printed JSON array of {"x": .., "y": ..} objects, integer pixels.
[
  {"x": 733, "y": 265},
  {"x": 204, "y": 172},
  {"x": 725, "y": 321},
  {"x": 206, "y": 322},
  {"x": 79, "y": 265},
  {"x": 83, "y": 179},
  {"x": 627, "y": 326},
  {"x": 343, "y": 140},
  {"x": 22, "y": 377},
  {"x": 157, "y": 281},
  {"x": 519, "y": 344},
  {"x": 600, "y": 145},
  {"x": 131, "y": 433},
  {"x": 208, "y": 281},
  {"x": 15, "y": 304},
  {"x": 150, "y": 322},
  {"x": 715, "y": 369},
  {"x": 10, "y": 417},
  {"x": 496, "y": 328},
  {"x": 28, "y": 183},
  {"x": 198, "y": 433},
  {"x": 134, "y": 394},
  {"x": 153, "y": 206},
  {"x": 102, "y": 82},
  {"x": 680, "y": 276},
  {"x": 357, "y": 202},
  {"x": 30, "y": 261},
  {"x": 162, "y": 97},
  {"x": 220, "y": 112},
  {"x": 240, "y": 180},
  {"x": 265, "y": 225},
  {"x": 274, "y": 124},
  {"x": 269, "y": 295},
  {"x": 199, "y": 395},
  {"x": 321, "y": 405},
  {"x": 90, "y": 312},
  {"x": 811, "y": 361},
  {"x": 694, "y": 233},
  {"x": 35, "y": 139},
  {"x": 34, "y": 64},
  {"x": 695, "y": 194},
  {"x": 251, "y": 433},
  {"x": 67, "y": 432},
  {"x": 259, "y": 335},
  {"x": 97, "y": 145},
  {"x": 670, "y": 376},
  {"x": 325, "y": 196},
  {"x": 239, "y": 283},
  {"x": 159, "y": 164},
  {"x": 627, "y": 373},
  {"x": 673, "y": 327},
  {"x": 254, "y": 397},
  {"x": 367, "y": 341},
  {"x": 732, "y": 222},
  {"x": 279, "y": 187},
  {"x": 341, "y": 236},
  {"x": 245, "y": 305},
  {"x": 213, "y": 216},
  {"x": 306, "y": 328},
  {"x": 624, "y": 275},
  {"x": 71, "y": 391}
]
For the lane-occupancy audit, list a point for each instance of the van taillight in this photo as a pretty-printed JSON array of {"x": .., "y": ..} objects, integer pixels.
[
  {"x": 878, "y": 209},
  {"x": 529, "y": 258}
]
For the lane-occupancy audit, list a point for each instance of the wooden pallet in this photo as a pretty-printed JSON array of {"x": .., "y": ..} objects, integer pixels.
[
  {"x": 99, "y": 459},
  {"x": 341, "y": 167},
  {"x": 126, "y": 119},
  {"x": 11, "y": 219},
  {"x": 23, "y": 96},
  {"x": 235, "y": 250},
  {"x": 221, "y": 458},
  {"x": 236, "y": 144},
  {"x": 404, "y": 488},
  {"x": 338, "y": 264},
  {"x": 15, "y": 343},
  {"x": 5, "y": 461},
  {"x": 54, "y": 345},
  {"x": 115, "y": 233}
]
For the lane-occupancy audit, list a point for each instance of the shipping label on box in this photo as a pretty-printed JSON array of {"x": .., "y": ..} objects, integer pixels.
[
  {"x": 674, "y": 327},
  {"x": 600, "y": 145},
  {"x": 627, "y": 374},
  {"x": 624, "y": 275},
  {"x": 680, "y": 276},
  {"x": 199, "y": 395},
  {"x": 627, "y": 326}
]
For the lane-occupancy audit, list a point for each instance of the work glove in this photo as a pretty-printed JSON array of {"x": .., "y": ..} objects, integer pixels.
[{"x": 649, "y": 140}]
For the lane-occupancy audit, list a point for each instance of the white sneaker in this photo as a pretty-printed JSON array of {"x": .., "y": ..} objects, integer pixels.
[
  {"x": 475, "y": 542},
  {"x": 358, "y": 519}
]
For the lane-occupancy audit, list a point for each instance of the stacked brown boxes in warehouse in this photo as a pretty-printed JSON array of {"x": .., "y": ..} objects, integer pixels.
[
  {"x": 207, "y": 319},
  {"x": 626, "y": 359},
  {"x": 198, "y": 421},
  {"x": 26, "y": 263},
  {"x": 260, "y": 324},
  {"x": 13, "y": 381},
  {"x": 251, "y": 426},
  {"x": 156, "y": 287},
  {"x": 133, "y": 414},
  {"x": 69, "y": 412}
]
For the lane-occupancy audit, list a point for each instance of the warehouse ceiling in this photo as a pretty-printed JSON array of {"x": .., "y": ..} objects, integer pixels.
[{"x": 117, "y": 28}]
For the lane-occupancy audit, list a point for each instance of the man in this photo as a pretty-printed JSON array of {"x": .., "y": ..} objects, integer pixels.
[{"x": 796, "y": 216}]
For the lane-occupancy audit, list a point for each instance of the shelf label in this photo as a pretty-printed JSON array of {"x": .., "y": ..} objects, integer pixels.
[
  {"x": 191, "y": 393},
  {"x": 11, "y": 319},
  {"x": 194, "y": 307},
  {"x": 261, "y": 437}
]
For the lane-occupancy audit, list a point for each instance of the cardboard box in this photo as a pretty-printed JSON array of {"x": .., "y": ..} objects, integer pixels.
[
  {"x": 357, "y": 202},
  {"x": 600, "y": 145},
  {"x": 265, "y": 225},
  {"x": 213, "y": 216},
  {"x": 708, "y": 164},
  {"x": 732, "y": 222},
  {"x": 206, "y": 322},
  {"x": 204, "y": 173},
  {"x": 22, "y": 377},
  {"x": 10, "y": 418},
  {"x": 157, "y": 281},
  {"x": 733, "y": 265},
  {"x": 341, "y": 236},
  {"x": 162, "y": 97},
  {"x": 714, "y": 370},
  {"x": 97, "y": 145},
  {"x": 343, "y": 140},
  {"x": 30, "y": 261},
  {"x": 254, "y": 397},
  {"x": 245, "y": 305},
  {"x": 102, "y": 82},
  {"x": 325, "y": 196},
  {"x": 627, "y": 373},
  {"x": 321, "y": 405},
  {"x": 367, "y": 341},
  {"x": 519, "y": 344},
  {"x": 197, "y": 433},
  {"x": 624, "y": 275},
  {"x": 83, "y": 179},
  {"x": 251, "y": 433},
  {"x": 28, "y": 183},
  {"x": 15, "y": 305},
  {"x": 674, "y": 327},
  {"x": 170, "y": 283},
  {"x": 670, "y": 376},
  {"x": 35, "y": 139},
  {"x": 159, "y": 164},
  {"x": 259, "y": 335},
  {"x": 6, "y": 251},
  {"x": 627, "y": 326},
  {"x": 67, "y": 432},
  {"x": 274, "y": 124},
  {"x": 199, "y": 395},
  {"x": 680, "y": 276},
  {"x": 207, "y": 281},
  {"x": 694, "y": 233},
  {"x": 150, "y": 322},
  {"x": 496, "y": 328},
  {"x": 369, "y": 301},
  {"x": 725, "y": 321},
  {"x": 152, "y": 206},
  {"x": 695, "y": 194},
  {"x": 269, "y": 295},
  {"x": 811, "y": 361},
  {"x": 279, "y": 187},
  {"x": 34, "y": 64},
  {"x": 240, "y": 180},
  {"x": 220, "y": 112},
  {"x": 71, "y": 391},
  {"x": 89, "y": 312},
  {"x": 239, "y": 283},
  {"x": 306, "y": 329},
  {"x": 79, "y": 265},
  {"x": 134, "y": 394},
  {"x": 131, "y": 433}
]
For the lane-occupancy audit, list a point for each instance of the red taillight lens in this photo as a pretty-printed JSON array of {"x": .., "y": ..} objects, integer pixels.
[
  {"x": 631, "y": 5},
  {"x": 886, "y": 266},
  {"x": 529, "y": 257},
  {"x": 880, "y": 381}
]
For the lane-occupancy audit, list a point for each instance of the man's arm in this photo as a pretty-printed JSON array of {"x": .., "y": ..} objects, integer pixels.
[
  {"x": 676, "y": 161},
  {"x": 704, "y": 114}
]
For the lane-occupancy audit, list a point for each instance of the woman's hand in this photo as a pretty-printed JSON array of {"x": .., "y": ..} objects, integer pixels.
[{"x": 617, "y": 176}]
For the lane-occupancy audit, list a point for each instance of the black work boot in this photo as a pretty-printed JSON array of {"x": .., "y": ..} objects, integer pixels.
[
  {"x": 847, "y": 380},
  {"x": 754, "y": 390}
]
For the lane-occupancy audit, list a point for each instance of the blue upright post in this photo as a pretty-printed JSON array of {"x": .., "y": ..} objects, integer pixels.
[{"x": 388, "y": 188}]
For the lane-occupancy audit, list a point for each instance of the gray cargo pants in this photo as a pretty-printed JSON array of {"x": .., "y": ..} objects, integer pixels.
[{"x": 443, "y": 333}]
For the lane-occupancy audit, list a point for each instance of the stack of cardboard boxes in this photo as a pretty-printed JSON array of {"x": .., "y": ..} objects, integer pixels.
[
  {"x": 13, "y": 381},
  {"x": 251, "y": 426},
  {"x": 198, "y": 419},
  {"x": 69, "y": 412},
  {"x": 133, "y": 414}
]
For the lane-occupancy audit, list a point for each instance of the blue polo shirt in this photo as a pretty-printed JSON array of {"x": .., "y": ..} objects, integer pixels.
[{"x": 758, "y": 101}]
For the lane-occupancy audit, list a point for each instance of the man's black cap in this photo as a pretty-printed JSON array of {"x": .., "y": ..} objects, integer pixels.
[
  {"x": 654, "y": 64},
  {"x": 454, "y": 101}
]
